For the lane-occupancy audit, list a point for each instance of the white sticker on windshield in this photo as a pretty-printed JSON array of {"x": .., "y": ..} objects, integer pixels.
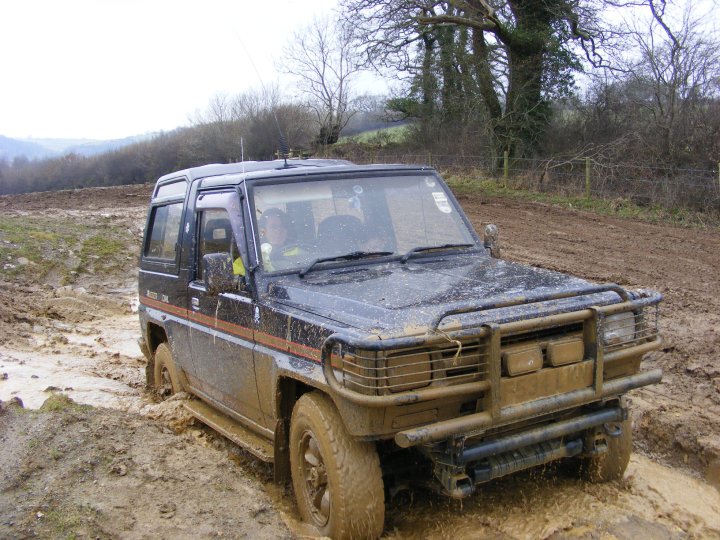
[{"x": 441, "y": 202}]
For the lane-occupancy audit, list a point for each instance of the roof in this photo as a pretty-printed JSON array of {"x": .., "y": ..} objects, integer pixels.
[
  {"x": 218, "y": 169},
  {"x": 300, "y": 172}
]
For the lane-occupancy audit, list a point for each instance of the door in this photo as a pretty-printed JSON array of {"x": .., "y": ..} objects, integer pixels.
[{"x": 221, "y": 333}]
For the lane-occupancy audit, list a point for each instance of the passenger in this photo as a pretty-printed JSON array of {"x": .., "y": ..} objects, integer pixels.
[
  {"x": 373, "y": 243},
  {"x": 374, "y": 238},
  {"x": 275, "y": 239}
]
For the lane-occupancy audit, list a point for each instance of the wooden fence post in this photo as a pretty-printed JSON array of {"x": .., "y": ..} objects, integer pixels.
[
  {"x": 430, "y": 158},
  {"x": 587, "y": 177},
  {"x": 506, "y": 165}
]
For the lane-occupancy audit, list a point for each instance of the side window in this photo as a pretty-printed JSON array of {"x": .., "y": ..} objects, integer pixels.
[
  {"x": 164, "y": 232},
  {"x": 215, "y": 236},
  {"x": 168, "y": 190}
]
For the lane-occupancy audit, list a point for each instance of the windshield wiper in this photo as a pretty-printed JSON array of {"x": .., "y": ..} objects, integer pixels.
[
  {"x": 347, "y": 257},
  {"x": 420, "y": 249}
]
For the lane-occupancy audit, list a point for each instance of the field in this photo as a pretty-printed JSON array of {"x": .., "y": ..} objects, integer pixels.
[{"x": 112, "y": 463}]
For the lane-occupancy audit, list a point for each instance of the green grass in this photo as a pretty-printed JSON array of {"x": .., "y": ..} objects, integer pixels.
[
  {"x": 36, "y": 242},
  {"x": 31, "y": 248},
  {"x": 61, "y": 402},
  {"x": 64, "y": 522},
  {"x": 100, "y": 252},
  {"x": 618, "y": 207},
  {"x": 378, "y": 137}
]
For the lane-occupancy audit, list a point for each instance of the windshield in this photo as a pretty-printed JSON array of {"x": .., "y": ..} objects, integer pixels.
[{"x": 300, "y": 222}]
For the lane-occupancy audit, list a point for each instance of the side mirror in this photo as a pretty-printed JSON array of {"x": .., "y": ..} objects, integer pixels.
[
  {"x": 218, "y": 272},
  {"x": 492, "y": 240}
]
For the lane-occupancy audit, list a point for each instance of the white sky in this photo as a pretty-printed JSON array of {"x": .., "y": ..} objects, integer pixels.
[{"x": 105, "y": 69}]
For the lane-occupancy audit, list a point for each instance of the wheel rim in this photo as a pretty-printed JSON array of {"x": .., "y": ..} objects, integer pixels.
[
  {"x": 165, "y": 388},
  {"x": 315, "y": 481}
]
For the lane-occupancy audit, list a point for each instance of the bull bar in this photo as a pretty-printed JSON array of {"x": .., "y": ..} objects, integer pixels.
[{"x": 497, "y": 415}]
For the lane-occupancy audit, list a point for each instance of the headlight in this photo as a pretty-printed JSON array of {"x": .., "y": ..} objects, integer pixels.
[
  {"x": 619, "y": 329},
  {"x": 366, "y": 372},
  {"x": 359, "y": 369}
]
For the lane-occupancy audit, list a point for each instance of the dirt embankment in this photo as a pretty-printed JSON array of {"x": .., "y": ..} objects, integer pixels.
[
  {"x": 75, "y": 471},
  {"x": 131, "y": 468}
]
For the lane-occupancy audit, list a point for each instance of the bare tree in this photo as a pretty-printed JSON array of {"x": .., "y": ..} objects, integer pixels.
[
  {"x": 671, "y": 76},
  {"x": 324, "y": 62}
]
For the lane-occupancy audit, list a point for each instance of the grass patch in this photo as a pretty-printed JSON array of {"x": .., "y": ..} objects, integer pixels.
[
  {"x": 64, "y": 523},
  {"x": 618, "y": 207},
  {"x": 100, "y": 252},
  {"x": 378, "y": 137},
  {"x": 61, "y": 402},
  {"x": 33, "y": 247}
]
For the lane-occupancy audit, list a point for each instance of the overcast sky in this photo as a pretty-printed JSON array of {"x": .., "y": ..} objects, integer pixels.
[{"x": 107, "y": 69}]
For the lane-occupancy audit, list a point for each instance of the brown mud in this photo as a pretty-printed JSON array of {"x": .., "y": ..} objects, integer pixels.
[{"x": 132, "y": 468}]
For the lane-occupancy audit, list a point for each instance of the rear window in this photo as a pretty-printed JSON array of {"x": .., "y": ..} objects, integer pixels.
[{"x": 164, "y": 232}]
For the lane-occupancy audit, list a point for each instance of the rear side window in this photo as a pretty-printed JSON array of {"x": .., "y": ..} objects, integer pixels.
[
  {"x": 164, "y": 232},
  {"x": 168, "y": 190}
]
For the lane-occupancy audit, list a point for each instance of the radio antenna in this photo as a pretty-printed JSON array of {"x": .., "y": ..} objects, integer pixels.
[
  {"x": 284, "y": 150},
  {"x": 242, "y": 154}
]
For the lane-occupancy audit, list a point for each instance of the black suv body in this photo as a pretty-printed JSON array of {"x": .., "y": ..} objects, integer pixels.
[{"x": 377, "y": 335}]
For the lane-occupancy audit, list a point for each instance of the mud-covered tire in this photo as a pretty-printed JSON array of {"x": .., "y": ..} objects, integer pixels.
[
  {"x": 165, "y": 381},
  {"x": 610, "y": 465},
  {"x": 337, "y": 479}
]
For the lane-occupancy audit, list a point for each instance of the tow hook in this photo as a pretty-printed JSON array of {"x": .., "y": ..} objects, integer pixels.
[{"x": 612, "y": 430}]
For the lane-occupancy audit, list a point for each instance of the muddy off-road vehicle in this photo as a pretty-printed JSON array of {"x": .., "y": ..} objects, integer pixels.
[{"x": 347, "y": 324}]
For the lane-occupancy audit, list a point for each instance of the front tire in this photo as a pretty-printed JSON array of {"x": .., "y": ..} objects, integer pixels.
[
  {"x": 610, "y": 465},
  {"x": 337, "y": 479},
  {"x": 165, "y": 381}
]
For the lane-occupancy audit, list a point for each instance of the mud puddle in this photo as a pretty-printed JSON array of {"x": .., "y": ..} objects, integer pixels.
[
  {"x": 96, "y": 364},
  {"x": 32, "y": 377},
  {"x": 652, "y": 501}
]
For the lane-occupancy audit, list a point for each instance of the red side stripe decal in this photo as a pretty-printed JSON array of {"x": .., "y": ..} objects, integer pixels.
[{"x": 274, "y": 342}]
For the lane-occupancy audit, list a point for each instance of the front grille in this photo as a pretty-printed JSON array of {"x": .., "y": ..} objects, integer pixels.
[
  {"x": 544, "y": 335},
  {"x": 454, "y": 362},
  {"x": 447, "y": 361}
]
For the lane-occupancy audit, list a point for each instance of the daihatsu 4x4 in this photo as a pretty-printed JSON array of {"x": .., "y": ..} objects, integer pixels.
[{"x": 347, "y": 324}]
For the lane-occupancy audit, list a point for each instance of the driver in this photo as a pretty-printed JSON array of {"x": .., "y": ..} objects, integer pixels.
[{"x": 275, "y": 239}]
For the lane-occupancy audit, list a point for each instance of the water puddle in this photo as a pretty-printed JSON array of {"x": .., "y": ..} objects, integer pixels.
[{"x": 33, "y": 376}]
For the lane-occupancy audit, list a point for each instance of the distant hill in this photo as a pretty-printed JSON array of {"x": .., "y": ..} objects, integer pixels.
[
  {"x": 12, "y": 148},
  {"x": 48, "y": 148}
]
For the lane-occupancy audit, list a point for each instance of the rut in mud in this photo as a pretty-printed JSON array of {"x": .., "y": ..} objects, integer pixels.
[{"x": 132, "y": 468}]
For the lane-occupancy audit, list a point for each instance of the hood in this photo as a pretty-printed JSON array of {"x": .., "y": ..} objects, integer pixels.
[{"x": 393, "y": 298}]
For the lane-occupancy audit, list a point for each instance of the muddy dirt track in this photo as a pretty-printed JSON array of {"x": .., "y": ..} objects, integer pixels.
[{"x": 131, "y": 468}]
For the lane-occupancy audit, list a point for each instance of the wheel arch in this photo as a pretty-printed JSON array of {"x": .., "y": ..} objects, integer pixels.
[
  {"x": 287, "y": 393},
  {"x": 155, "y": 336}
]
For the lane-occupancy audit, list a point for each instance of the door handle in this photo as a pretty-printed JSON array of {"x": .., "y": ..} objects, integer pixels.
[{"x": 195, "y": 303}]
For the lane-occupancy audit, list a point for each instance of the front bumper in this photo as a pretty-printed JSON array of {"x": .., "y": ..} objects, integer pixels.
[{"x": 459, "y": 468}]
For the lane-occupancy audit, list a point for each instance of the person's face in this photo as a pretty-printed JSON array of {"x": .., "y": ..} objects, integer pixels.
[{"x": 275, "y": 232}]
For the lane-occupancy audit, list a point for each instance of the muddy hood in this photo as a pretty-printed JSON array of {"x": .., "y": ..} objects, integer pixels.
[{"x": 392, "y": 298}]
